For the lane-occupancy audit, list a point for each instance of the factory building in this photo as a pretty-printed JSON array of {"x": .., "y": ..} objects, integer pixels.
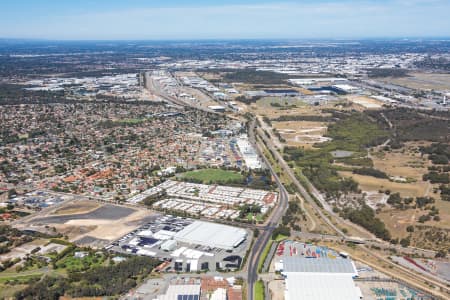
[
  {"x": 181, "y": 292},
  {"x": 316, "y": 273},
  {"x": 211, "y": 235}
]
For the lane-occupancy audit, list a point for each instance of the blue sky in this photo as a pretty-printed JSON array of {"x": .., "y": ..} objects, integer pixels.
[{"x": 201, "y": 19}]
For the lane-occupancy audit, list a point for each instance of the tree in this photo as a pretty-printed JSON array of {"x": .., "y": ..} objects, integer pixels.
[{"x": 405, "y": 242}]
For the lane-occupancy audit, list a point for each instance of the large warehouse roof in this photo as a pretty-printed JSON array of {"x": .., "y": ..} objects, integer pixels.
[
  {"x": 313, "y": 265},
  {"x": 212, "y": 235},
  {"x": 308, "y": 286}
]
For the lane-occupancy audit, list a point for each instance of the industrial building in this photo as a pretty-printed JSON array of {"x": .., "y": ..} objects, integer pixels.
[
  {"x": 251, "y": 158},
  {"x": 292, "y": 264},
  {"x": 211, "y": 235},
  {"x": 313, "y": 286},
  {"x": 316, "y": 273},
  {"x": 181, "y": 292},
  {"x": 187, "y": 245}
]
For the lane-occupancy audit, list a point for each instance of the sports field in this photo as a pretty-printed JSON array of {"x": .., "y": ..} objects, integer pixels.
[{"x": 213, "y": 176}]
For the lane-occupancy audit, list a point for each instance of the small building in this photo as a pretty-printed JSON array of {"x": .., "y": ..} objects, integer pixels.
[
  {"x": 217, "y": 108},
  {"x": 181, "y": 291},
  {"x": 169, "y": 245},
  {"x": 80, "y": 254},
  {"x": 118, "y": 259},
  {"x": 220, "y": 96}
]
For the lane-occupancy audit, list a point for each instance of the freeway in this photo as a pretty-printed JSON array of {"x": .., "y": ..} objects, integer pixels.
[
  {"x": 264, "y": 237},
  {"x": 155, "y": 88},
  {"x": 280, "y": 209}
]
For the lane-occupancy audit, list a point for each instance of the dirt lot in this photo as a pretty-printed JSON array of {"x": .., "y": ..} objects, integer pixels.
[
  {"x": 423, "y": 81},
  {"x": 302, "y": 133},
  {"x": 276, "y": 288},
  {"x": 23, "y": 250},
  {"x": 365, "y": 102},
  {"x": 96, "y": 226}
]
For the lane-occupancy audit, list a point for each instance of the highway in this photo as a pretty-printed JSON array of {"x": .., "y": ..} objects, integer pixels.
[
  {"x": 267, "y": 230},
  {"x": 263, "y": 238}
]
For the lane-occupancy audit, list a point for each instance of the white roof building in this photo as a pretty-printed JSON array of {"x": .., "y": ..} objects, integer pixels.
[
  {"x": 319, "y": 278},
  {"x": 307, "y": 286},
  {"x": 211, "y": 235},
  {"x": 169, "y": 245},
  {"x": 181, "y": 292}
]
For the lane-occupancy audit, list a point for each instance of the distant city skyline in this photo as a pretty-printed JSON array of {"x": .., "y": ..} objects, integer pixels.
[{"x": 201, "y": 19}]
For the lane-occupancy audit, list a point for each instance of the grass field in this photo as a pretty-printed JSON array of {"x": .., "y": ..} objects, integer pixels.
[
  {"x": 264, "y": 255},
  {"x": 259, "y": 290},
  {"x": 213, "y": 176}
]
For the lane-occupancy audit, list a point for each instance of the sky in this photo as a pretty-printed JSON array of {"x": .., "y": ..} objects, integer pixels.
[{"x": 202, "y": 19}]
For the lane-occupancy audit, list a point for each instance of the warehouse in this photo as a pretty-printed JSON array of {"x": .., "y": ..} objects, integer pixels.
[
  {"x": 211, "y": 235},
  {"x": 321, "y": 287},
  {"x": 293, "y": 264},
  {"x": 316, "y": 273},
  {"x": 182, "y": 292}
]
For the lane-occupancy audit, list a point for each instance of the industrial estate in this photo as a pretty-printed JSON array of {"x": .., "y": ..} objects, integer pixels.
[{"x": 197, "y": 171}]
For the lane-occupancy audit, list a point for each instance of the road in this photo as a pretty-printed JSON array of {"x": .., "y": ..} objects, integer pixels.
[
  {"x": 155, "y": 89},
  {"x": 274, "y": 218},
  {"x": 262, "y": 240}
]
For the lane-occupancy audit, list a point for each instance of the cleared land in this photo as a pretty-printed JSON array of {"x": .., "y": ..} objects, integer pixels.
[
  {"x": 262, "y": 107},
  {"x": 105, "y": 212},
  {"x": 406, "y": 162},
  {"x": 302, "y": 133},
  {"x": 83, "y": 206},
  {"x": 369, "y": 183},
  {"x": 365, "y": 102},
  {"x": 94, "y": 227},
  {"x": 432, "y": 81}
]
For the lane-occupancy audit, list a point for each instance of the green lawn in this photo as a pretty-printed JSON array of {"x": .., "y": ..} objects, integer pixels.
[
  {"x": 19, "y": 278},
  {"x": 264, "y": 255},
  {"x": 280, "y": 237},
  {"x": 259, "y": 290},
  {"x": 214, "y": 176}
]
